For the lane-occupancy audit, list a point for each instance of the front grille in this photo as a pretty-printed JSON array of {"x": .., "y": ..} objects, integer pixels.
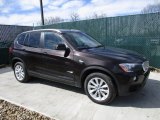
[{"x": 145, "y": 66}]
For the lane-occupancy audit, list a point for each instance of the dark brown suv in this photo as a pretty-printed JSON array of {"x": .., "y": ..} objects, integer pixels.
[{"x": 74, "y": 58}]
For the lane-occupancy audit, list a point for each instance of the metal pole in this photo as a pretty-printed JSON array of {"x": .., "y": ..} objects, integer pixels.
[{"x": 42, "y": 15}]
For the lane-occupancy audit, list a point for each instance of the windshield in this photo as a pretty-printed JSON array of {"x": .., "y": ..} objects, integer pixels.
[{"x": 81, "y": 40}]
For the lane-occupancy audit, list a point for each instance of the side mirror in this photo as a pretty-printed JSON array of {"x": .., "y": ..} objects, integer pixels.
[{"x": 61, "y": 47}]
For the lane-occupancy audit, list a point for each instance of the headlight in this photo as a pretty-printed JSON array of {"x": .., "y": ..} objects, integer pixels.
[
  {"x": 128, "y": 67},
  {"x": 145, "y": 66}
]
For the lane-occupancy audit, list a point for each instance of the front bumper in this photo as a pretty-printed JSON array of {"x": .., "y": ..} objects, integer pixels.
[{"x": 126, "y": 84}]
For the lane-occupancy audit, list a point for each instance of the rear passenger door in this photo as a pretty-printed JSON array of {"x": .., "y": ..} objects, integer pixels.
[{"x": 33, "y": 52}]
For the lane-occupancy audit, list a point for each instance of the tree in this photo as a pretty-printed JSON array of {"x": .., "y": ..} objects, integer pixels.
[
  {"x": 151, "y": 9},
  {"x": 53, "y": 20},
  {"x": 74, "y": 17},
  {"x": 96, "y": 16}
]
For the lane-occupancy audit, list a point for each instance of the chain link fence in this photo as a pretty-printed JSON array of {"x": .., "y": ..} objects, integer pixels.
[
  {"x": 140, "y": 33},
  {"x": 4, "y": 57},
  {"x": 9, "y": 32},
  {"x": 7, "y": 35}
]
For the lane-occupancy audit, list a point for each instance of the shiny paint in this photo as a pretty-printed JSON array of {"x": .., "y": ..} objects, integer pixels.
[{"x": 72, "y": 69}]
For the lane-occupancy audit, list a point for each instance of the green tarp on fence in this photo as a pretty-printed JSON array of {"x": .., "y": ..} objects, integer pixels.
[
  {"x": 7, "y": 34},
  {"x": 4, "y": 57},
  {"x": 140, "y": 33}
]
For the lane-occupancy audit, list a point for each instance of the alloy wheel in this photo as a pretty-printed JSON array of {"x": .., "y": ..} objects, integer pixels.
[
  {"x": 19, "y": 72},
  {"x": 98, "y": 89}
]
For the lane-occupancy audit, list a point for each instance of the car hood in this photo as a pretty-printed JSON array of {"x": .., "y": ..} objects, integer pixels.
[{"x": 117, "y": 53}]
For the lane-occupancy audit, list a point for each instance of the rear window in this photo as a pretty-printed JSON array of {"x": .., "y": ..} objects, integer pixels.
[
  {"x": 21, "y": 38},
  {"x": 33, "y": 39}
]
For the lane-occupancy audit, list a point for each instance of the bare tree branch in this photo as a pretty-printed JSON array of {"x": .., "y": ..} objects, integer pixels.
[
  {"x": 75, "y": 17},
  {"x": 53, "y": 20},
  {"x": 151, "y": 9},
  {"x": 96, "y": 16}
]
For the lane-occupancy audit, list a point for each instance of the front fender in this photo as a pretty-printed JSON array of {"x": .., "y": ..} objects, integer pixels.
[{"x": 98, "y": 68}]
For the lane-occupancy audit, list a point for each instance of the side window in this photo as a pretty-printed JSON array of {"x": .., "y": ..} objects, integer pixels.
[
  {"x": 21, "y": 38},
  {"x": 51, "y": 40},
  {"x": 33, "y": 39},
  {"x": 26, "y": 39}
]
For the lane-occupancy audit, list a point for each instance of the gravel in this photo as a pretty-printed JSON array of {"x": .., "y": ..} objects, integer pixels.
[{"x": 9, "y": 111}]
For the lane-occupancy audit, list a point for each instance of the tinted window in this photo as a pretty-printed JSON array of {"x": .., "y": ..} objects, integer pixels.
[
  {"x": 21, "y": 38},
  {"x": 33, "y": 40},
  {"x": 81, "y": 40},
  {"x": 26, "y": 40},
  {"x": 51, "y": 40}
]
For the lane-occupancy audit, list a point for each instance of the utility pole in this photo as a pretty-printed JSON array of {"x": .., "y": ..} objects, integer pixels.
[{"x": 42, "y": 15}]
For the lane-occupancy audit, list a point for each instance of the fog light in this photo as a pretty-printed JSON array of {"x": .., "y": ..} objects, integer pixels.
[{"x": 134, "y": 78}]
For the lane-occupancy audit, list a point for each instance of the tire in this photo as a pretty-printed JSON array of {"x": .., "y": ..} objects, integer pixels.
[
  {"x": 102, "y": 92},
  {"x": 20, "y": 72}
]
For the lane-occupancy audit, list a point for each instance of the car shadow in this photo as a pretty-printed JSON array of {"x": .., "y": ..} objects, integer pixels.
[
  {"x": 56, "y": 84},
  {"x": 148, "y": 97},
  {"x": 5, "y": 69}
]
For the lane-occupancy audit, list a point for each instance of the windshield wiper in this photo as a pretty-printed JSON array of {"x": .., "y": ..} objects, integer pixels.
[
  {"x": 90, "y": 47},
  {"x": 81, "y": 48},
  {"x": 99, "y": 46}
]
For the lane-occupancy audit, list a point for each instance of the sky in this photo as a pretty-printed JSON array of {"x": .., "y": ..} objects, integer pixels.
[{"x": 27, "y": 12}]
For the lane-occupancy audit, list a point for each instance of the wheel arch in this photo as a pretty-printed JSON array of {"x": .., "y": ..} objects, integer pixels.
[
  {"x": 93, "y": 69},
  {"x": 15, "y": 60}
]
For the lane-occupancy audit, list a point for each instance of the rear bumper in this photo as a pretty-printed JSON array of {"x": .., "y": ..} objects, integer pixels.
[{"x": 127, "y": 85}]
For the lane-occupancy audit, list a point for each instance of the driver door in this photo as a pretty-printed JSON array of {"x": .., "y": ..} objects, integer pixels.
[{"x": 55, "y": 65}]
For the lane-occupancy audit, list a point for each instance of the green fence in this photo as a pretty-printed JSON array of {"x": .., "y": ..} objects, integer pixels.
[
  {"x": 7, "y": 35},
  {"x": 4, "y": 57},
  {"x": 140, "y": 33}
]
